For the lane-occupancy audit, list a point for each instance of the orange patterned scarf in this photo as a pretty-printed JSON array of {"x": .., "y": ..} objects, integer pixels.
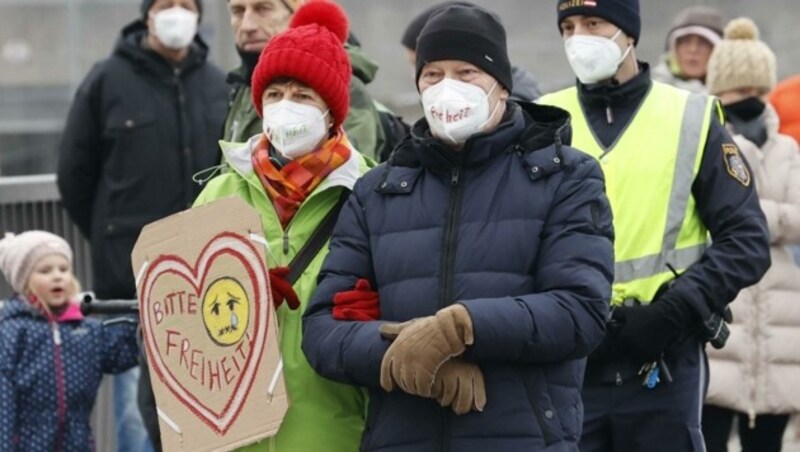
[{"x": 289, "y": 186}]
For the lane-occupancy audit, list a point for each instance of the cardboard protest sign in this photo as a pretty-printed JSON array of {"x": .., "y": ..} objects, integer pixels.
[{"x": 209, "y": 328}]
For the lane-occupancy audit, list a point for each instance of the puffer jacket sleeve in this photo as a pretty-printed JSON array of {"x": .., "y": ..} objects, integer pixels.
[
  {"x": 344, "y": 351},
  {"x": 770, "y": 207},
  {"x": 80, "y": 159},
  {"x": 8, "y": 396},
  {"x": 787, "y": 229},
  {"x": 120, "y": 350},
  {"x": 565, "y": 316}
]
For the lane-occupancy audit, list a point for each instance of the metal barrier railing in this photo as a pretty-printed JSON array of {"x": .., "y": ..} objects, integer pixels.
[{"x": 33, "y": 202}]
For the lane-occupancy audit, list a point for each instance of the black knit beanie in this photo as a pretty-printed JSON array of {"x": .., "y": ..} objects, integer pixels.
[
  {"x": 622, "y": 13},
  {"x": 412, "y": 31},
  {"x": 466, "y": 33},
  {"x": 147, "y": 4}
]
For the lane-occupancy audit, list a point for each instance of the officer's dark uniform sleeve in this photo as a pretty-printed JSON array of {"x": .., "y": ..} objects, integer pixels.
[
  {"x": 80, "y": 155},
  {"x": 738, "y": 255}
]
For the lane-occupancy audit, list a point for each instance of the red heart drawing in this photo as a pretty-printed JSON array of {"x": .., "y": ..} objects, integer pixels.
[{"x": 243, "y": 251}]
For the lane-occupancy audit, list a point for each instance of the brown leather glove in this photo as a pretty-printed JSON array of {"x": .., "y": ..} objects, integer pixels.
[
  {"x": 459, "y": 384},
  {"x": 422, "y": 345}
]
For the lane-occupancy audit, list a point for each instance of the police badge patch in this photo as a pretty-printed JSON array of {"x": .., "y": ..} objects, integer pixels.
[{"x": 735, "y": 164}]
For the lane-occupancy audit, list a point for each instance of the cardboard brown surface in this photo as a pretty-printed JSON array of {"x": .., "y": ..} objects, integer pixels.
[{"x": 209, "y": 328}]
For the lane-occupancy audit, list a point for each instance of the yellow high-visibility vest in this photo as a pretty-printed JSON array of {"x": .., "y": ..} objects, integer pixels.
[{"x": 649, "y": 174}]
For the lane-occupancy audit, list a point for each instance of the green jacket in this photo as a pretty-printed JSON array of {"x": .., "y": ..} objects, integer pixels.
[
  {"x": 323, "y": 415},
  {"x": 363, "y": 124}
]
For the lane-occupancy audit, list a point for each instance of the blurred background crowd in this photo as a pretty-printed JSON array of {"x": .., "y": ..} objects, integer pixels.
[{"x": 48, "y": 46}]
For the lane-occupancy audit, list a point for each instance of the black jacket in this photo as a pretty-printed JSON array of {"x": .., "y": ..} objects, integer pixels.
[{"x": 137, "y": 131}]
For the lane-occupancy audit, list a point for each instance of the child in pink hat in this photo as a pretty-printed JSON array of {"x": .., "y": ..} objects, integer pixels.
[{"x": 52, "y": 359}]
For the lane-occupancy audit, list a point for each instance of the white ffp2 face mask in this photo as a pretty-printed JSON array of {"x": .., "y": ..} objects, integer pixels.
[
  {"x": 594, "y": 58},
  {"x": 456, "y": 110},
  {"x": 175, "y": 27},
  {"x": 294, "y": 129}
]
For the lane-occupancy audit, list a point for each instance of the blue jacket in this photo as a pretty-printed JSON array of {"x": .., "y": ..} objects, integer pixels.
[
  {"x": 47, "y": 390},
  {"x": 518, "y": 229}
]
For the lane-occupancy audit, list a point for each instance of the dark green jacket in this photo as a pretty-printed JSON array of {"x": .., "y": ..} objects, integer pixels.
[{"x": 363, "y": 126}]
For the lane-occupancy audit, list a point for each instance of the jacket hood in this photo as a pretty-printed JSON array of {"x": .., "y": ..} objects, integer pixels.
[
  {"x": 129, "y": 45},
  {"x": 526, "y": 126},
  {"x": 545, "y": 125},
  {"x": 364, "y": 67}
]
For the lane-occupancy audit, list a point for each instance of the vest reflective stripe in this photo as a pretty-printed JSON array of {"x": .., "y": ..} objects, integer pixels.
[
  {"x": 688, "y": 148},
  {"x": 649, "y": 175},
  {"x": 643, "y": 267}
]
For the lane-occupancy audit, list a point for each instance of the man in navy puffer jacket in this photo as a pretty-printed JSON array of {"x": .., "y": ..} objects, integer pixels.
[{"x": 492, "y": 240}]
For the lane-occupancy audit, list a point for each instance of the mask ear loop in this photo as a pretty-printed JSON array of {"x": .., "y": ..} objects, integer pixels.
[
  {"x": 322, "y": 118},
  {"x": 627, "y": 50},
  {"x": 625, "y": 55},
  {"x": 494, "y": 110}
]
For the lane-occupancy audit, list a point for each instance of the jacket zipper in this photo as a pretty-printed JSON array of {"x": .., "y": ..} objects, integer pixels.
[
  {"x": 184, "y": 152},
  {"x": 450, "y": 237},
  {"x": 60, "y": 387},
  {"x": 448, "y": 262},
  {"x": 285, "y": 238}
]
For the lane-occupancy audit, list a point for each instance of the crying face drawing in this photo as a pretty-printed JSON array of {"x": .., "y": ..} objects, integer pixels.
[{"x": 226, "y": 311}]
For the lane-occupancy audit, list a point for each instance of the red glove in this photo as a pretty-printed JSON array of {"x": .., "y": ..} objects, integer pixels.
[
  {"x": 360, "y": 303},
  {"x": 281, "y": 289}
]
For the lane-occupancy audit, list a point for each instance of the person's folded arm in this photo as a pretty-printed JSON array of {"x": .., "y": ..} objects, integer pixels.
[
  {"x": 343, "y": 350},
  {"x": 565, "y": 316}
]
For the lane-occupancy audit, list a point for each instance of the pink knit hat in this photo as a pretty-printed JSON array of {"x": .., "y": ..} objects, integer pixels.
[{"x": 19, "y": 254}]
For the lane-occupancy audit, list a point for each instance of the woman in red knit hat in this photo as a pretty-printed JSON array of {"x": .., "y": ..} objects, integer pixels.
[{"x": 301, "y": 168}]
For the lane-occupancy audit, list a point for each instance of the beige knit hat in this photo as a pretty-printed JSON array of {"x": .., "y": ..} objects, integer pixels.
[
  {"x": 741, "y": 60},
  {"x": 19, "y": 254}
]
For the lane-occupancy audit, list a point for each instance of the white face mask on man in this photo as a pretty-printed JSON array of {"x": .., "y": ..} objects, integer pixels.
[
  {"x": 175, "y": 27},
  {"x": 294, "y": 129},
  {"x": 594, "y": 58},
  {"x": 456, "y": 110}
]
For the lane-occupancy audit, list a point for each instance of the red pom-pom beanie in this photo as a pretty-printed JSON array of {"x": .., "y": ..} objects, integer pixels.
[{"x": 310, "y": 51}]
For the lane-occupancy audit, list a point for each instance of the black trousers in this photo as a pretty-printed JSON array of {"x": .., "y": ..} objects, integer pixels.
[
  {"x": 627, "y": 417},
  {"x": 767, "y": 436}
]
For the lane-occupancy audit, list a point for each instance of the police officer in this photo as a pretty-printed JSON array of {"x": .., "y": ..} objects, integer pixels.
[{"x": 673, "y": 175}]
